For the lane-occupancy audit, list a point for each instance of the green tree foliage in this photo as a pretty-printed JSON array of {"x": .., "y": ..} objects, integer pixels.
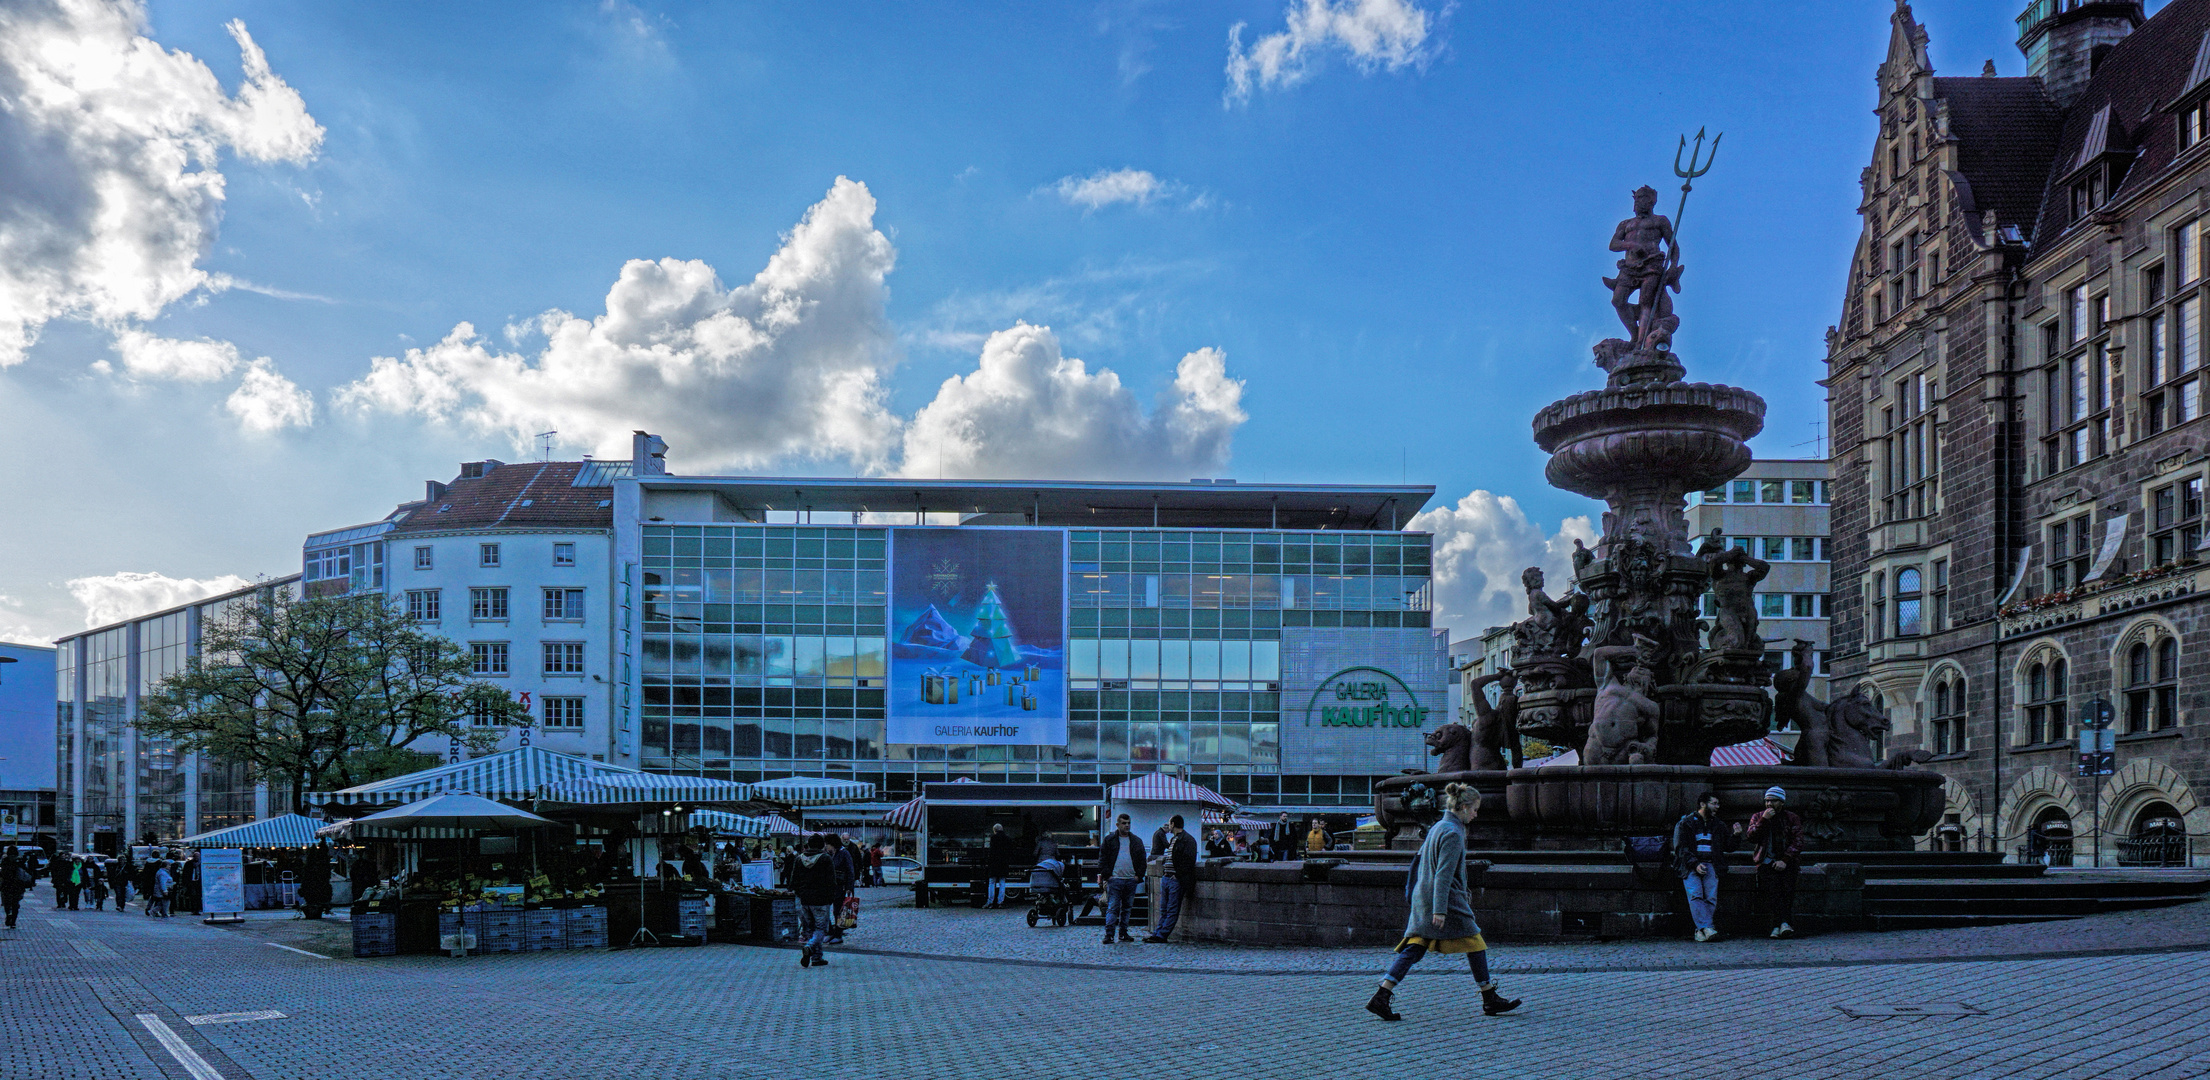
[{"x": 324, "y": 692}]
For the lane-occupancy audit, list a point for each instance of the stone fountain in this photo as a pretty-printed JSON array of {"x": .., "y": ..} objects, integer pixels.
[{"x": 1624, "y": 668}]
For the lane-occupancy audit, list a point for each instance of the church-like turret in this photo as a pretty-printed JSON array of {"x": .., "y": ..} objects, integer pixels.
[{"x": 2064, "y": 39}]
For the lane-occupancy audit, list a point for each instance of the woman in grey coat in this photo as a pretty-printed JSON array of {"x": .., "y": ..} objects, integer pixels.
[{"x": 1442, "y": 908}]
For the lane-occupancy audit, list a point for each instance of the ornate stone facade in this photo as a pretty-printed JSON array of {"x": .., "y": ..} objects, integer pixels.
[{"x": 2020, "y": 449}]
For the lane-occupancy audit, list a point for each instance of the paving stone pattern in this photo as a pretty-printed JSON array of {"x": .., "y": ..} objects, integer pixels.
[{"x": 1655, "y": 1009}]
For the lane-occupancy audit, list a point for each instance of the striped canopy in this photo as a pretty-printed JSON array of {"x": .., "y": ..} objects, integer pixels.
[
  {"x": 454, "y": 811},
  {"x": 724, "y": 823},
  {"x": 1224, "y": 817},
  {"x": 914, "y": 811},
  {"x": 1753, "y": 752},
  {"x": 283, "y": 830},
  {"x": 1159, "y": 787},
  {"x": 812, "y": 791},
  {"x": 642, "y": 789},
  {"x": 779, "y": 825},
  {"x": 1569, "y": 757},
  {"x": 514, "y": 775}
]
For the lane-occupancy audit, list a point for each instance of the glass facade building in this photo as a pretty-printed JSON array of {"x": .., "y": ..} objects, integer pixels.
[{"x": 761, "y": 649}]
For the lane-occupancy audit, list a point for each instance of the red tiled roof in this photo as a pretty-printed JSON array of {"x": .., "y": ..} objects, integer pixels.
[
  {"x": 2143, "y": 72},
  {"x": 523, "y": 495}
]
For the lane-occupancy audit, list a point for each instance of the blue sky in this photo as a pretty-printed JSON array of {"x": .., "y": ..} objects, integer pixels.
[{"x": 1396, "y": 255}]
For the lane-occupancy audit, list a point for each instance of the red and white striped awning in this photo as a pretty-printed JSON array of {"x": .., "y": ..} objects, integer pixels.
[
  {"x": 1225, "y": 817},
  {"x": 1570, "y": 757},
  {"x": 1159, "y": 787},
  {"x": 1753, "y": 752},
  {"x": 914, "y": 811}
]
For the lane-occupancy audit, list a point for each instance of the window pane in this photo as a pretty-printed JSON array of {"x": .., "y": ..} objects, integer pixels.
[
  {"x": 1770, "y": 491},
  {"x": 1801, "y": 491},
  {"x": 1906, "y": 616}
]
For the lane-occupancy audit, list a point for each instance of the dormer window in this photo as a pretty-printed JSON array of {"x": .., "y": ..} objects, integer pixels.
[{"x": 2088, "y": 193}]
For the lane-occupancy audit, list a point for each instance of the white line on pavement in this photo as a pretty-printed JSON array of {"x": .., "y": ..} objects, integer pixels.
[
  {"x": 234, "y": 1017},
  {"x": 186, "y": 1056},
  {"x": 302, "y": 952}
]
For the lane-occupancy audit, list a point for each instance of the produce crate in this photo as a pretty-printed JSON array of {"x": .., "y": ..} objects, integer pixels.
[
  {"x": 375, "y": 933},
  {"x": 544, "y": 929},
  {"x": 693, "y": 915},
  {"x": 586, "y": 927},
  {"x": 450, "y": 923},
  {"x": 775, "y": 918}
]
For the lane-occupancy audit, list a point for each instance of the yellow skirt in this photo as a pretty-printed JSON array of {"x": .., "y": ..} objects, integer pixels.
[{"x": 1447, "y": 946}]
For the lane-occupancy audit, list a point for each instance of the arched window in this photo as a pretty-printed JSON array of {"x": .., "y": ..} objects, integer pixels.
[
  {"x": 1945, "y": 733},
  {"x": 2045, "y": 719},
  {"x": 1907, "y": 600},
  {"x": 2049, "y": 839},
  {"x": 2152, "y": 690}
]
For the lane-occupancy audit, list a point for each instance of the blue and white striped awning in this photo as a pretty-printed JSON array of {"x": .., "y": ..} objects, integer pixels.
[
  {"x": 724, "y": 823},
  {"x": 513, "y": 776},
  {"x": 283, "y": 830},
  {"x": 813, "y": 791},
  {"x": 643, "y": 789}
]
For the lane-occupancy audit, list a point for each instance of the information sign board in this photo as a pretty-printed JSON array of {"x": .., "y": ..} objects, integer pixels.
[{"x": 223, "y": 882}]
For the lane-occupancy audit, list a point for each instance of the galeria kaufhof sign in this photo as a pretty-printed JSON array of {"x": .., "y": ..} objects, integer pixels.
[{"x": 1361, "y": 697}]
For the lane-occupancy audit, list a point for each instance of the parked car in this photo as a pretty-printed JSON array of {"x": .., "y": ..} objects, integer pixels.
[{"x": 900, "y": 870}]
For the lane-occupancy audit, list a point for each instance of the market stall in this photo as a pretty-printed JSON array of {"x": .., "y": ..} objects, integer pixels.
[
  {"x": 477, "y": 911},
  {"x": 954, "y": 821},
  {"x": 263, "y": 868}
]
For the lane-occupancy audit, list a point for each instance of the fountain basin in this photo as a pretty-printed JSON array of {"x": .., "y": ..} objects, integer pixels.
[{"x": 1842, "y": 809}]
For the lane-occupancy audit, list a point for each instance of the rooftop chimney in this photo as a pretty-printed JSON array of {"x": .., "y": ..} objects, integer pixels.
[
  {"x": 2064, "y": 39},
  {"x": 648, "y": 454},
  {"x": 477, "y": 470}
]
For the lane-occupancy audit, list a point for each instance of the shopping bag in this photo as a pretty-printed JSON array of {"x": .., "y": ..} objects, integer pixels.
[{"x": 847, "y": 915}]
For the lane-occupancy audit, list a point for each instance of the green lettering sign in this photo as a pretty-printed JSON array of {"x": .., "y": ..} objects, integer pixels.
[{"x": 1365, "y": 697}]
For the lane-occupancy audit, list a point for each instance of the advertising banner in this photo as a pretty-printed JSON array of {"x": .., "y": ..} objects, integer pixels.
[
  {"x": 223, "y": 881},
  {"x": 978, "y": 636},
  {"x": 1361, "y": 701}
]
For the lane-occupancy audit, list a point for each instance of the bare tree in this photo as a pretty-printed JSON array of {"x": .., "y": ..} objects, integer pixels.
[{"x": 311, "y": 693}]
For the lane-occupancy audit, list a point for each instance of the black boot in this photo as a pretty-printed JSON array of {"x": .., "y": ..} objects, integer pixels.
[
  {"x": 1493, "y": 1003},
  {"x": 1379, "y": 1004}
]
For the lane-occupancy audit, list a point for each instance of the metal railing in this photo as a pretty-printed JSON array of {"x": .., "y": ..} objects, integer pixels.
[{"x": 2152, "y": 851}]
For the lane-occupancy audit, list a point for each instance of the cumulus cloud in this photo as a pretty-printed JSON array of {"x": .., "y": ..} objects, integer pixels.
[
  {"x": 266, "y": 401},
  {"x": 790, "y": 364},
  {"x": 149, "y": 356},
  {"x": 1028, "y": 410},
  {"x": 114, "y": 597},
  {"x": 1102, "y": 188},
  {"x": 1481, "y": 546},
  {"x": 1388, "y": 34},
  {"x": 112, "y": 191}
]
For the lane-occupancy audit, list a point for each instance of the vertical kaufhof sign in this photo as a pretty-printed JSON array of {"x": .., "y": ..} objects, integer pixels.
[{"x": 1361, "y": 700}]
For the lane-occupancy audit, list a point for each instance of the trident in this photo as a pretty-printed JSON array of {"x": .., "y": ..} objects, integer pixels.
[{"x": 1688, "y": 176}]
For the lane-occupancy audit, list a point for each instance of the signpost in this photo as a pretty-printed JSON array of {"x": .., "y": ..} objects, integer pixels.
[{"x": 2098, "y": 748}]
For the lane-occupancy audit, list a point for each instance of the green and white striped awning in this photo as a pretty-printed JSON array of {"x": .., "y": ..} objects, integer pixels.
[
  {"x": 812, "y": 791},
  {"x": 645, "y": 789},
  {"x": 724, "y": 823},
  {"x": 283, "y": 830},
  {"x": 514, "y": 776}
]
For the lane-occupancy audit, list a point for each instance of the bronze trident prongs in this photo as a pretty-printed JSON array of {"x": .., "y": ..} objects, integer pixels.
[{"x": 1698, "y": 164}]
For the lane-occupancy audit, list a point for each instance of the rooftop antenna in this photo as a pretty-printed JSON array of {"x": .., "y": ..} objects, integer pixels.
[
  {"x": 1817, "y": 439},
  {"x": 544, "y": 445}
]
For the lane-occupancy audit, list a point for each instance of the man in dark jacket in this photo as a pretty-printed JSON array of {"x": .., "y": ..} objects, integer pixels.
[
  {"x": 1700, "y": 845},
  {"x": 1777, "y": 834},
  {"x": 1287, "y": 842},
  {"x": 314, "y": 881},
  {"x": 846, "y": 874},
  {"x": 1177, "y": 875},
  {"x": 1120, "y": 869},
  {"x": 997, "y": 862},
  {"x": 814, "y": 880},
  {"x": 15, "y": 880}
]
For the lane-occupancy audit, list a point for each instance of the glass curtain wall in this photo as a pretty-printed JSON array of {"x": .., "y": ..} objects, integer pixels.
[
  {"x": 762, "y": 653},
  {"x": 161, "y": 768},
  {"x": 65, "y": 700},
  {"x": 107, "y": 671}
]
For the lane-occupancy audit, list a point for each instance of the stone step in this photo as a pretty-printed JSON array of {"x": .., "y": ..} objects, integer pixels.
[
  {"x": 2140, "y": 886},
  {"x": 1946, "y": 922},
  {"x": 2008, "y": 906}
]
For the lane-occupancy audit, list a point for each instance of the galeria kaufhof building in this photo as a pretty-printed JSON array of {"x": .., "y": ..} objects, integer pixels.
[{"x": 1011, "y": 632}]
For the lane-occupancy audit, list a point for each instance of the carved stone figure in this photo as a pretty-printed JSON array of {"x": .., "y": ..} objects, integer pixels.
[
  {"x": 1453, "y": 743},
  {"x": 1734, "y": 577},
  {"x": 1582, "y": 556},
  {"x": 1572, "y": 627},
  {"x": 1649, "y": 265},
  {"x": 1495, "y": 727},
  {"x": 1852, "y": 723},
  {"x": 1713, "y": 542},
  {"x": 1625, "y": 728},
  {"x": 1537, "y": 635}
]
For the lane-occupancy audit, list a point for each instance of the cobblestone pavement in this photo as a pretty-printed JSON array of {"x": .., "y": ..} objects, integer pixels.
[{"x": 97, "y": 994}]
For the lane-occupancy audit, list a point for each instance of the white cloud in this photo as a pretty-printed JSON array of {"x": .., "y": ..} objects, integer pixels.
[
  {"x": 1102, "y": 188},
  {"x": 1481, "y": 546},
  {"x": 1388, "y": 34},
  {"x": 266, "y": 401},
  {"x": 1027, "y": 410},
  {"x": 113, "y": 192},
  {"x": 149, "y": 356},
  {"x": 114, "y": 597},
  {"x": 788, "y": 365}
]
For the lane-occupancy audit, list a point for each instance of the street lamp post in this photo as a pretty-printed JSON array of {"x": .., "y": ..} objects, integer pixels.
[{"x": 2097, "y": 749}]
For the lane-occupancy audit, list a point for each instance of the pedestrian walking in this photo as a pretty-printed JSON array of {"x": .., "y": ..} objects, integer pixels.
[
  {"x": 818, "y": 889},
  {"x": 314, "y": 881},
  {"x": 1700, "y": 845},
  {"x": 1177, "y": 876},
  {"x": 126, "y": 873},
  {"x": 146, "y": 875},
  {"x": 1285, "y": 839},
  {"x": 1441, "y": 919},
  {"x": 96, "y": 882},
  {"x": 15, "y": 880},
  {"x": 997, "y": 860},
  {"x": 1119, "y": 869},
  {"x": 1776, "y": 834},
  {"x": 1317, "y": 838},
  {"x": 163, "y": 883},
  {"x": 874, "y": 865}
]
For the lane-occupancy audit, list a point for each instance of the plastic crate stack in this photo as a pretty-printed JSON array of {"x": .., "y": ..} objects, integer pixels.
[
  {"x": 450, "y": 923},
  {"x": 586, "y": 927},
  {"x": 782, "y": 918},
  {"x": 545, "y": 928},
  {"x": 375, "y": 933},
  {"x": 693, "y": 915},
  {"x": 502, "y": 929}
]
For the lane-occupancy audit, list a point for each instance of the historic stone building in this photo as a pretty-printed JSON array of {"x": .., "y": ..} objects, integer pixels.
[{"x": 2020, "y": 449}]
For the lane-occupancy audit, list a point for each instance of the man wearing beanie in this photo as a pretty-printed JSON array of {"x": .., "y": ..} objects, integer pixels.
[{"x": 1777, "y": 835}]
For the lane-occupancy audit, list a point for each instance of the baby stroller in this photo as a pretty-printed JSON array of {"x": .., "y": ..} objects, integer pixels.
[{"x": 1050, "y": 898}]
